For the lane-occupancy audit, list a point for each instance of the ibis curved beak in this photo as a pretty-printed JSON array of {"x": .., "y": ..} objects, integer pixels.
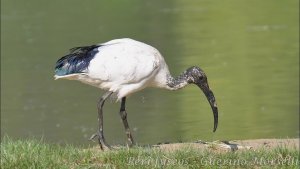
[{"x": 212, "y": 101}]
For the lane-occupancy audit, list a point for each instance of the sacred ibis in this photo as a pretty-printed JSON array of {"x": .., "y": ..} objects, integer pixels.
[{"x": 125, "y": 66}]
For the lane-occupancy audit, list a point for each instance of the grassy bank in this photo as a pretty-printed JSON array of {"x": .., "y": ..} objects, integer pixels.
[{"x": 37, "y": 154}]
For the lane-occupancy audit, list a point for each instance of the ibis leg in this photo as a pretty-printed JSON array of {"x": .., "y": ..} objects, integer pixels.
[
  {"x": 123, "y": 115},
  {"x": 100, "y": 135}
]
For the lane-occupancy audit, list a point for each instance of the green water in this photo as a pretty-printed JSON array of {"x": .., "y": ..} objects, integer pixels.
[{"x": 248, "y": 49}]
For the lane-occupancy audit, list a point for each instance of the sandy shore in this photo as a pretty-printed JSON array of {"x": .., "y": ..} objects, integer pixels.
[{"x": 235, "y": 145}]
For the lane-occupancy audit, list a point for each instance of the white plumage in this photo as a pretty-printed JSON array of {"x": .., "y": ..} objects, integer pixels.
[{"x": 124, "y": 66}]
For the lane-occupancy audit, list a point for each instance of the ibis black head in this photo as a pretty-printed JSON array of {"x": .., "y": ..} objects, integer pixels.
[{"x": 197, "y": 76}]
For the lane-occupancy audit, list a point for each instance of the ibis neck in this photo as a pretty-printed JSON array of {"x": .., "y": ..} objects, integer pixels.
[{"x": 175, "y": 83}]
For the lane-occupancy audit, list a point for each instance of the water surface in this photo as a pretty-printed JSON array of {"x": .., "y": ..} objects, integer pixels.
[{"x": 248, "y": 49}]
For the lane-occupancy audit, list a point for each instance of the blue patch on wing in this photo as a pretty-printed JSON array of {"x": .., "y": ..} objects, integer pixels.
[{"x": 77, "y": 61}]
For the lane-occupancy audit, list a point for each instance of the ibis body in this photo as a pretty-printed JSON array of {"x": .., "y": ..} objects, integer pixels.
[{"x": 125, "y": 66}]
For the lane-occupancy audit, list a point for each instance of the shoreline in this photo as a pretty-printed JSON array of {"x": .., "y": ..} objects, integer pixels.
[
  {"x": 33, "y": 153},
  {"x": 251, "y": 144}
]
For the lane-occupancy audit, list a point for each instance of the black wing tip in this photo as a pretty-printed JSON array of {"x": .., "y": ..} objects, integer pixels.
[{"x": 78, "y": 60}]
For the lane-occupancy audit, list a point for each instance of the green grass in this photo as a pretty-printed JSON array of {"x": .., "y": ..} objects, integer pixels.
[{"x": 37, "y": 154}]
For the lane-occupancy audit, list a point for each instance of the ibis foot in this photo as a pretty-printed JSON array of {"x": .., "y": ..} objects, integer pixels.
[
  {"x": 130, "y": 142},
  {"x": 102, "y": 144}
]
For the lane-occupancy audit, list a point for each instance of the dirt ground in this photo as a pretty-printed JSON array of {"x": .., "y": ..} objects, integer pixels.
[{"x": 235, "y": 145}]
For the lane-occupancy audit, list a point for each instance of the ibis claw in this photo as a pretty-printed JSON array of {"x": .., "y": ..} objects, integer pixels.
[
  {"x": 93, "y": 137},
  {"x": 102, "y": 143}
]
